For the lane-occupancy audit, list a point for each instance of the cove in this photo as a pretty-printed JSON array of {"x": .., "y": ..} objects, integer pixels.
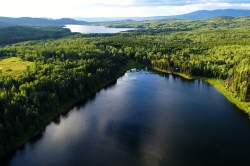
[
  {"x": 87, "y": 29},
  {"x": 144, "y": 118}
]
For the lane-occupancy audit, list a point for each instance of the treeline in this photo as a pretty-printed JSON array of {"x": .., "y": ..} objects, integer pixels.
[
  {"x": 36, "y": 22},
  {"x": 222, "y": 54},
  {"x": 15, "y": 34},
  {"x": 72, "y": 67},
  {"x": 63, "y": 70},
  {"x": 186, "y": 25}
]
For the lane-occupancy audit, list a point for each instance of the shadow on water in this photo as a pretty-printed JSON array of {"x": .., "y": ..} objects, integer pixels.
[
  {"x": 173, "y": 76},
  {"x": 7, "y": 159},
  {"x": 57, "y": 120},
  {"x": 240, "y": 113},
  {"x": 81, "y": 103},
  {"x": 36, "y": 138},
  {"x": 110, "y": 85},
  {"x": 130, "y": 135},
  {"x": 164, "y": 131}
]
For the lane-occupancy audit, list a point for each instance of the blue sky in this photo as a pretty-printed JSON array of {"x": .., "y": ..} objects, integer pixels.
[{"x": 112, "y": 8}]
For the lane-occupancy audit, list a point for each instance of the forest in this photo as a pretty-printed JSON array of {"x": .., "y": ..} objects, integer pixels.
[
  {"x": 15, "y": 34},
  {"x": 66, "y": 68}
]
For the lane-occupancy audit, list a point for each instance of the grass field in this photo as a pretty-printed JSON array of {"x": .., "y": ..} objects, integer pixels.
[{"x": 13, "y": 66}]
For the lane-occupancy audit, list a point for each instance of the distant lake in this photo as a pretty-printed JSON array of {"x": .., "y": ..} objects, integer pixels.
[
  {"x": 144, "y": 119},
  {"x": 95, "y": 29}
]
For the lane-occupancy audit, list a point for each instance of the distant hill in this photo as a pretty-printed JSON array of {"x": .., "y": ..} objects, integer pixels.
[
  {"x": 197, "y": 15},
  {"x": 206, "y": 14},
  {"x": 224, "y": 18},
  {"x": 28, "y": 21},
  {"x": 244, "y": 18},
  {"x": 15, "y": 34},
  {"x": 109, "y": 19}
]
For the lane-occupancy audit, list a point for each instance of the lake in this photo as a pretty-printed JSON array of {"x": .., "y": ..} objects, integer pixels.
[
  {"x": 145, "y": 118},
  {"x": 95, "y": 29}
]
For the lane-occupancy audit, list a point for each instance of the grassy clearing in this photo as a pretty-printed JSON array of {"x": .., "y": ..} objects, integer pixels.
[{"x": 13, "y": 66}]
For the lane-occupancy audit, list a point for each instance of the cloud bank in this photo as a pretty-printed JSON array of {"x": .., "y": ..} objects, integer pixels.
[{"x": 112, "y": 8}]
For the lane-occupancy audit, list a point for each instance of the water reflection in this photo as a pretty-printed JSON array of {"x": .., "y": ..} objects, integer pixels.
[
  {"x": 145, "y": 119},
  {"x": 131, "y": 135},
  {"x": 57, "y": 120},
  {"x": 36, "y": 138}
]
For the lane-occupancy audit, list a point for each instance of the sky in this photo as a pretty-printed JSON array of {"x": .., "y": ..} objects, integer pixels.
[{"x": 112, "y": 8}]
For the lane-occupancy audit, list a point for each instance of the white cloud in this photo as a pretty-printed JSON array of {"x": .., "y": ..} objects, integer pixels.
[{"x": 111, "y": 8}]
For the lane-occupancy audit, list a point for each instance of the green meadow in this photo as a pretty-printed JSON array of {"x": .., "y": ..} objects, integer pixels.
[{"x": 13, "y": 66}]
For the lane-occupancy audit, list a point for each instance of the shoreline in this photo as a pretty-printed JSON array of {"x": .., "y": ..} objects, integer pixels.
[
  {"x": 218, "y": 84},
  {"x": 65, "y": 107}
]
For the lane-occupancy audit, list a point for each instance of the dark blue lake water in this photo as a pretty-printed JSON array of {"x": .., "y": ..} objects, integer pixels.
[{"x": 145, "y": 119}]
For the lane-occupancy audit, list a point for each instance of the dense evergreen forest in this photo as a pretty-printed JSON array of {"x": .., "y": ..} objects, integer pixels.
[
  {"x": 66, "y": 69},
  {"x": 38, "y": 22},
  {"x": 15, "y": 34}
]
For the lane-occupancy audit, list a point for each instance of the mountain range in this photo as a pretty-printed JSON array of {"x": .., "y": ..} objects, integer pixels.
[{"x": 197, "y": 15}]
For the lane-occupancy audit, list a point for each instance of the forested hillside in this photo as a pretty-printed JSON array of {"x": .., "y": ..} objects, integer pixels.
[
  {"x": 196, "y": 15},
  {"x": 14, "y": 34},
  {"x": 184, "y": 25},
  {"x": 69, "y": 68},
  {"x": 29, "y": 21}
]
